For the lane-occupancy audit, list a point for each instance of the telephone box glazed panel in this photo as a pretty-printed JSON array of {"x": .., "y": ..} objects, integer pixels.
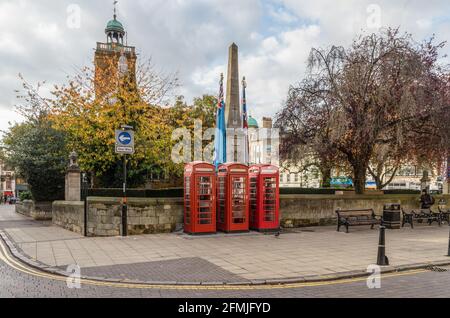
[
  {"x": 199, "y": 198},
  {"x": 264, "y": 197},
  {"x": 232, "y": 198}
]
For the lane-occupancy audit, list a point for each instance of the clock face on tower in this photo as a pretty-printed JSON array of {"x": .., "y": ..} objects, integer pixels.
[{"x": 123, "y": 65}]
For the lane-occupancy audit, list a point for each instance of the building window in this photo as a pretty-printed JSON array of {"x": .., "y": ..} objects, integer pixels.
[
  {"x": 296, "y": 177},
  {"x": 288, "y": 178}
]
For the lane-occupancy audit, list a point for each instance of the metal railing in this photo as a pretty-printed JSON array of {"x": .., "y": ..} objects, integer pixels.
[{"x": 108, "y": 47}]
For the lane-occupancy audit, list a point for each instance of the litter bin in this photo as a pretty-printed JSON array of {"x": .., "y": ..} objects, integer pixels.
[{"x": 391, "y": 216}]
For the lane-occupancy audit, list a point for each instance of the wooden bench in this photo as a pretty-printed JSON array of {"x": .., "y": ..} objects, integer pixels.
[
  {"x": 420, "y": 216},
  {"x": 445, "y": 215},
  {"x": 356, "y": 217}
]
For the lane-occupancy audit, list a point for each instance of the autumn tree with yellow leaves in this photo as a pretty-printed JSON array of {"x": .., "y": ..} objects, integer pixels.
[{"x": 90, "y": 119}]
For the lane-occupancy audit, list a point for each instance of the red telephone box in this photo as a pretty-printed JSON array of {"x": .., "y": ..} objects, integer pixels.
[
  {"x": 199, "y": 198},
  {"x": 264, "y": 197},
  {"x": 232, "y": 198}
]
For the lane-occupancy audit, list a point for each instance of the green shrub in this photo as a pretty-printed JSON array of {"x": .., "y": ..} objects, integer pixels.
[{"x": 25, "y": 195}]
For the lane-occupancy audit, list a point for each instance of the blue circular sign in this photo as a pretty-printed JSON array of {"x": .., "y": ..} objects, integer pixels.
[{"x": 124, "y": 138}]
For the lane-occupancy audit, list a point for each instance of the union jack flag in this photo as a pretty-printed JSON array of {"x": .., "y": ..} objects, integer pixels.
[
  {"x": 221, "y": 103},
  {"x": 244, "y": 105},
  {"x": 245, "y": 123}
]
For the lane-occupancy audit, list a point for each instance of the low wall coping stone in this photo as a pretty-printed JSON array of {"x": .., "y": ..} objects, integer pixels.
[{"x": 68, "y": 203}]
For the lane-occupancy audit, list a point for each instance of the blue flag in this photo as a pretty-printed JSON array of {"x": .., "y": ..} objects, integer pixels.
[{"x": 220, "y": 144}]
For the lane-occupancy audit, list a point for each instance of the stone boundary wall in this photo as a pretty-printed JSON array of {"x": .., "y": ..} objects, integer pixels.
[
  {"x": 145, "y": 216},
  {"x": 69, "y": 215},
  {"x": 25, "y": 207},
  {"x": 165, "y": 215},
  {"x": 41, "y": 211},
  {"x": 318, "y": 210}
]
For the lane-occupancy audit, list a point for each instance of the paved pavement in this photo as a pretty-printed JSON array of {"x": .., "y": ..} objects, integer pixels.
[
  {"x": 20, "y": 281},
  {"x": 253, "y": 256}
]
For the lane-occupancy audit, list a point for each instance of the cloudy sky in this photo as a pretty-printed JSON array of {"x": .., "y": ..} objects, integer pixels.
[{"x": 45, "y": 40}]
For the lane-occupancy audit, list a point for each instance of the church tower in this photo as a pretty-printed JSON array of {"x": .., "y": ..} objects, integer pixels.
[{"x": 115, "y": 61}]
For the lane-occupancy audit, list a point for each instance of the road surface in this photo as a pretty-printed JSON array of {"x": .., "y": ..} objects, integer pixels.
[{"x": 18, "y": 280}]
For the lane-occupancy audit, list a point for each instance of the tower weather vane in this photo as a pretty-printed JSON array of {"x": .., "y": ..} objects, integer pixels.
[{"x": 115, "y": 8}]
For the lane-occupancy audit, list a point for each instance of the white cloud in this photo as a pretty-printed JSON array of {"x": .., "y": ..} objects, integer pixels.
[
  {"x": 192, "y": 37},
  {"x": 48, "y": 32},
  {"x": 281, "y": 15},
  {"x": 7, "y": 119},
  {"x": 424, "y": 23},
  {"x": 279, "y": 62}
]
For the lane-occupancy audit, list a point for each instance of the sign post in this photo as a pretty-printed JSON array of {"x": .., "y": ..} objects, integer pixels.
[{"x": 125, "y": 146}]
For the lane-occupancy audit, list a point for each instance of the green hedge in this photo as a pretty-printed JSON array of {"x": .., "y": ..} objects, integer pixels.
[
  {"x": 333, "y": 191},
  {"x": 134, "y": 193},
  {"x": 310, "y": 191},
  {"x": 401, "y": 192},
  {"x": 179, "y": 192}
]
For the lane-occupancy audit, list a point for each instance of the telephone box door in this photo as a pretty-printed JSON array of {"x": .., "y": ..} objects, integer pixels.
[
  {"x": 205, "y": 213},
  {"x": 270, "y": 203},
  {"x": 239, "y": 203}
]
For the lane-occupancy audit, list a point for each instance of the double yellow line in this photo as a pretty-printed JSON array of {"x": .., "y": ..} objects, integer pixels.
[{"x": 13, "y": 263}]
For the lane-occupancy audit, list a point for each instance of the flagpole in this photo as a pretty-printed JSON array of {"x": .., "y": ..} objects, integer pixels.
[
  {"x": 220, "y": 138},
  {"x": 245, "y": 122}
]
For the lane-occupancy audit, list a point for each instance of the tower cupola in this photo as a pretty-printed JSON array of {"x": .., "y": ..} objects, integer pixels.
[{"x": 115, "y": 32}]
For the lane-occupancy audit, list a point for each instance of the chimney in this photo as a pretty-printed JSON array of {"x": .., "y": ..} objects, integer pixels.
[{"x": 267, "y": 122}]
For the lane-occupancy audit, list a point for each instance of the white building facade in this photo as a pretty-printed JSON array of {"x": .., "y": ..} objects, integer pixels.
[{"x": 7, "y": 181}]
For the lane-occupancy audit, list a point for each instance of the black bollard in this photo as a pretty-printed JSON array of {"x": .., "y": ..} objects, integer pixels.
[
  {"x": 448, "y": 244},
  {"x": 382, "y": 260}
]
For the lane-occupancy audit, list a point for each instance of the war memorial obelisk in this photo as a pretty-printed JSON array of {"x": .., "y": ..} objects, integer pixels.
[{"x": 233, "y": 116}]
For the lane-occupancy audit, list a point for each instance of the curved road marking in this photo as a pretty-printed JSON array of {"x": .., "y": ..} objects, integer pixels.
[{"x": 13, "y": 263}]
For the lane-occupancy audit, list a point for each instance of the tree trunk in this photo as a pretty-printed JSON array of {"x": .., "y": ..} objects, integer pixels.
[
  {"x": 379, "y": 184},
  {"x": 359, "y": 182},
  {"x": 326, "y": 177},
  {"x": 378, "y": 178}
]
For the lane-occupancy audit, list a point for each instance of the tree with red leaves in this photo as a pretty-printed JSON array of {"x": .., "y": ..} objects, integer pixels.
[{"x": 382, "y": 92}]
